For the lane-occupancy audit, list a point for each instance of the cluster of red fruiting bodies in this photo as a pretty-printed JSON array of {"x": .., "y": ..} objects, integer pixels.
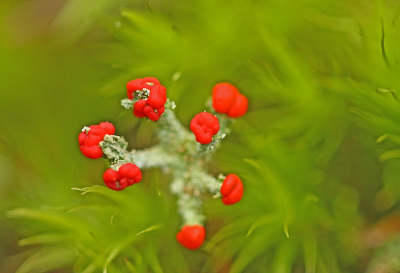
[
  {"x": 89, "y": 139},
  {"x": 150, "y": 97},
  {"x": 204, "y": 126},
  {"x": 127, "y": 175},
  {"x": 228, "y": 100},
  {"x": 153, "y": 106}
]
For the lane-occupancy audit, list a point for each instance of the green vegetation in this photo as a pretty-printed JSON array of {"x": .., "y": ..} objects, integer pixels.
[{"x": 318, "y": 152}]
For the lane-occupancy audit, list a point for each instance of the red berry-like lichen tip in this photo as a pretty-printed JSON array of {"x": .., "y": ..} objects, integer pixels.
[{"x": 191, "y": 236}]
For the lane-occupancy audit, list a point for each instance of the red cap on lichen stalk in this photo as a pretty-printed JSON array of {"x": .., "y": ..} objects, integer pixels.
[
  {"x": 91, "y": 137},
  {"x": 191, "y": 236},
  {"x": 204, "y": 126},
  {"x": 154, "y": 97},
  {"x": 228, "y": 100}
]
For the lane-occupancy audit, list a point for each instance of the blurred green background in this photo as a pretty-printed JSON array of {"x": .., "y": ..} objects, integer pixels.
[{"x": 318, "y": 151}]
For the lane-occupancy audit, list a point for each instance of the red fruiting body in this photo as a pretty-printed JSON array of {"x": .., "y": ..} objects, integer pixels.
[
  {"x": 127, "y": 175},
  {"x": 224, "y": 95},
  {"x": 239, "y": 107},
  {"x": 141, "y": 109},
  {"x": 228, "y": 100},
  {"x": 153, "y": 106},
  {"x": 89, "y": 141},
  {"x": 157, "y": 97},
  {"x": 110, "y": 177},
  {"x": 191, "y": 237},
  {"x": 204, "y": 126},
  {"x": 232, "y": 189},
  {"x": 139, "y": 84}
]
